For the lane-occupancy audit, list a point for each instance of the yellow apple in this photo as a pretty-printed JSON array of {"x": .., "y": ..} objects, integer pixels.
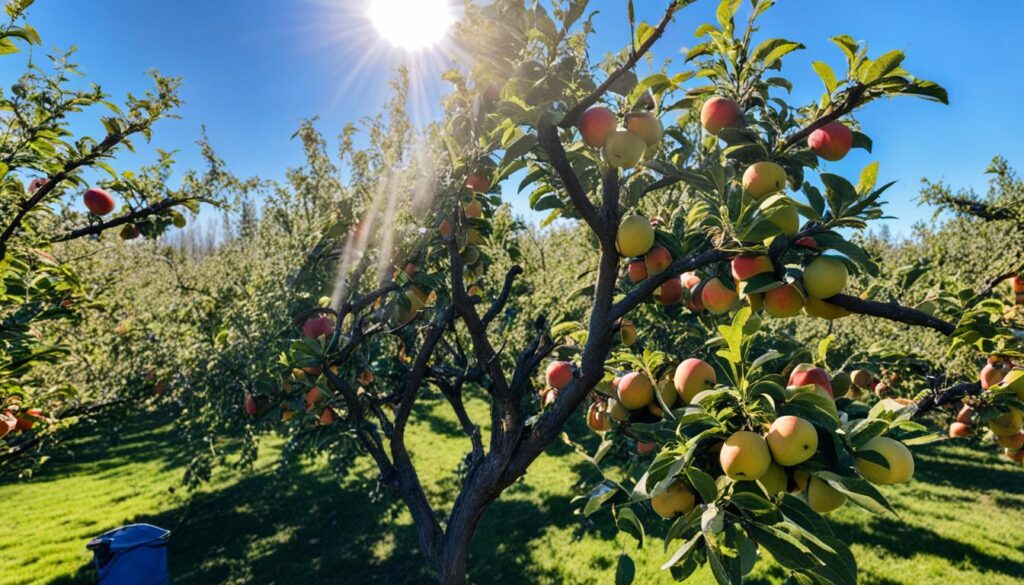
[
  {"x": 901, "y": 462},
  {"x": 825, "y": 277},
  {"x": 693, "y": 376},
  {"x": 763, "y": 178},
  {"x": 624, "y": 149},
  {"x": 645, "y": 125},
  {"x": 635, "y": 236},
  {"x": 745, "y": 456},
  {"x": 784, "y": 301},
  {"x": 635, "y": 391},
  {"x": 780, "y": 210},
  {"x": 792, "y": 440},
  {"x": 676, "y": 500}
]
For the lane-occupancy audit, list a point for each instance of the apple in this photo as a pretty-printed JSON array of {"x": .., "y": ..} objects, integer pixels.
[
  {"x": 716, "y": 297},
  {"x": 774, "y": 480},
  {"x": 1006, "y": 424},
  {"x": 896, "y": 454},
  {"x": 1015, "y": 380},
  {"x": 807, "y": 374},
  {"x": 637, "y": 271},
  {"x": 1015, "y": 456},
  {"x": 318, "y": 327},
  {"x": 745, "y": 456},
  {"x": 841, "y": 383},
  {"x": 1013, "y": 442},
  {"x": 831, "y": 142},
  {"x": 825, "y": 277},
  {"x": 692, "y": 377},
  {"x": 822, "y": 497},
  {"x": 33, "y": 186},
  {"x": 617, "y": 411},
  {"x": 1018, "y": 284},
  {"x": 635, "y": 236},
  {"x": 327, "y": 416},
  {"x": 696, "y": 303},
  {"x": 478, "y": 183},
  {"x": 250, "y": 404},
  {"x": 666, "y": 393},
  {"x": 657, "y": 259},
  {"x": 7, "y": 423},
  {"x": 676, "y": 500},
  {"x": 445, "y": 229},
  {"x": 862, "y": 378},
  {"x": 783, "y": 301},
  {"x": 645, "y": 125},
  {"x": 635, "y": 391},
  {"x": 966, "y": 415},
  {"x": 596, "y": 125},
  {"x": 748, "y": 266},
  {"x": 24, "y": 422},
  {"x": 129, "y": 231},
  {"x": 959, "y": 429},
  {"x": 474, "y": 208},
  {"x": 597, "y": 419},
  {"x": 627, "y": 333},
  {"x": 98, "y": 201},
  {"x": 792, "y": 440},
  {"x": 559, "y": 374},
  {"x": 178, "y": 220},
  {"x": 807, "y": 242},
  {"x": 548, "y": 397},
  {"x": 991, "y": 375},
  {"x": 313, "y": 396},
  {"x": 824, "y": 310},
  {"x": 669, "y": 292},
  {"x": 645, "y": 447},
  {"x": 763, "y": 178},
  {"x": 689, "y": 279},
  {"x": 624, "y": 149},
  {"x": 718, "y": 113},
  {"x": 780, "y": 210}
]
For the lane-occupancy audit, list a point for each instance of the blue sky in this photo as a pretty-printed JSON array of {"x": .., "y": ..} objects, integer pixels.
[{"x": 254, "y": 68}]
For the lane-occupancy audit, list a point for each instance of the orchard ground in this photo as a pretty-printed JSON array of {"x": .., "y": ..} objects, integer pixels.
[{"x": 959, "y": 521}]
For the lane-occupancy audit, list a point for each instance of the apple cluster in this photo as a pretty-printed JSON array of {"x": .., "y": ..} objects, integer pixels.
[
  {"x": 15, "y": 418},
  {"x": 621, "y": 146},
  {"x": 999, "y": 376},
  {"x": 770, "y": 455}
]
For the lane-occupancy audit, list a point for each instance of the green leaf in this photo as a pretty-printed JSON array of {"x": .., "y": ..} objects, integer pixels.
[
  {"x": 868, "y": 178},
  {"x": 787, "y": 550},
  {"x": 703, "y": 483},
  {"x": 684, "y": 551},
  {"x": 882, "y": 66},
  {"x": 861, "y": 140},
  {"x": 828, "y": 77},
  {"x": 627, "y": 521},
  {"x": 625, "y": 570}
]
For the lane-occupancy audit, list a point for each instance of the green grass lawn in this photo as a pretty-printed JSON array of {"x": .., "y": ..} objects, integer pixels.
[{"x": 960, "y": 520}]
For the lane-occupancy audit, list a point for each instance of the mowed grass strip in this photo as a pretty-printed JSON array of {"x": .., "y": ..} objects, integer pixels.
[{"x": 301, "y": 525}]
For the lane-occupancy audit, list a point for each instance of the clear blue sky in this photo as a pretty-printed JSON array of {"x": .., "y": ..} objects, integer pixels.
[{"x": 254, "y": 68}]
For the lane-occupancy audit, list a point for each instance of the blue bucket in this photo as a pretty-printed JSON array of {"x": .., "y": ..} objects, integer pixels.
[{"x": 131, "y": 555}]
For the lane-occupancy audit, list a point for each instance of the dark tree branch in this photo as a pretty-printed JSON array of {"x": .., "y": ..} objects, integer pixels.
[
  {"x": 500, "y": 302},
  {"x": 368, "y": 436},
  {"x": 453, "y": 392},
  {"x": 125, "y": 219},
  {"x": 947, "y": 396},
  {"x": 638, "y": 52},
  {"x": 646, "y": 288},
  {"x": 892, "y": 312},
  {"x": 849, "y": 103},
  {"x": 547, "y": 137},
  {"x": 428, "y": 529}
]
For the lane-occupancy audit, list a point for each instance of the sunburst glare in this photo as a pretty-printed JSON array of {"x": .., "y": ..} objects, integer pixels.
[{"x": 411, "y": 24}]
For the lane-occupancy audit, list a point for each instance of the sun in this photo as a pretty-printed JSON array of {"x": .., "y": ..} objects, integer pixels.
[{"x": 412, "y": 25}]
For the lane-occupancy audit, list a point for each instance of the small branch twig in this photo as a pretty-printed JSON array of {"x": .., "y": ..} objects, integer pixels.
[
  {"x": 947, "y": 396},
  {"x": 892, "y": 312}
]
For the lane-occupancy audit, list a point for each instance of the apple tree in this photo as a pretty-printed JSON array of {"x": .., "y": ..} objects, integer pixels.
[
  {"x": 711, "y": 217},
  {"x": 44, "y": 172}
]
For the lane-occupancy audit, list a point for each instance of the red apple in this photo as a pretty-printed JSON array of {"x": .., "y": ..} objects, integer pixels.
[
  {"x": 317, "y": 327},
  {"x": 657, "y": 259},
  {"x": 831, "y": 142},
  {"x": 807, "y": 374},
  {"x": 718, "y": 113},
  {"x": 669, "y": 292},
  {"x": 596, "y": 125},
  {"x": 250, "y": 405},
  {"x": 558, "y": 374},
  {"x": 637, "y": 271},
  {"x": 747, "y": 267},
  {"x": 98, "y": 201},
  {"x": 477, "y": 183}
]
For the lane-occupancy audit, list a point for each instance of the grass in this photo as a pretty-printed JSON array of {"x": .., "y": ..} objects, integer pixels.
[{"x": 959, "y": 520}]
